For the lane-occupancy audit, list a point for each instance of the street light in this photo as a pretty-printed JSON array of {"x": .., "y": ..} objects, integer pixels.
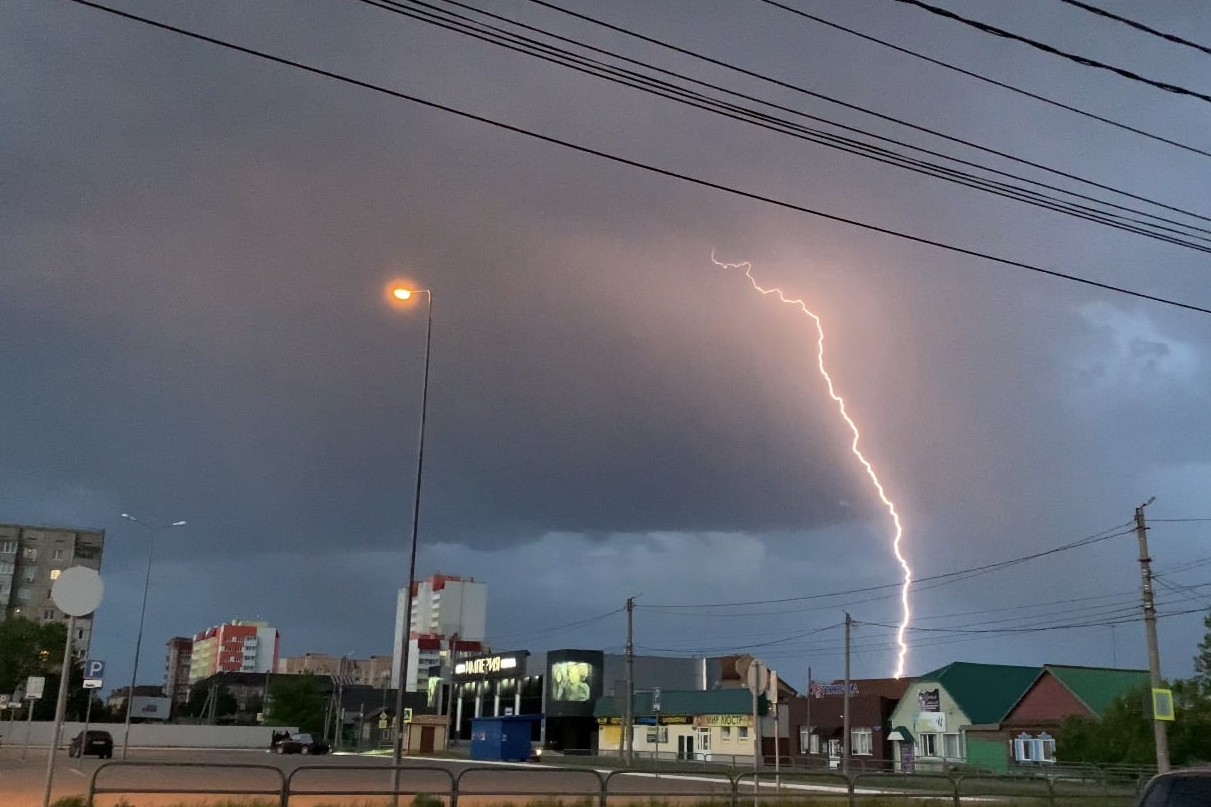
[
  {"x": 130, "y": 694},
  {"x": 404, "y": 294}
]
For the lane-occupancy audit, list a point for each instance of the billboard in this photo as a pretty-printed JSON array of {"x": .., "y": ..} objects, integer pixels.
[
  {"x": 145, "y": 707},
  {"x": 573, "y": 681}
]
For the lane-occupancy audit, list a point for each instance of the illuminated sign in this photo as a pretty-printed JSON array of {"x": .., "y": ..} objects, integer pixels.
[
  {"x": 706, "y": 721},
  {"x": 486, "y": 666},
  {"x": 665, "y": 720}
]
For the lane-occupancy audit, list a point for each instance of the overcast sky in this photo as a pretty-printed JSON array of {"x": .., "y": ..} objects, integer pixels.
[{"x": 195, "y": 244}]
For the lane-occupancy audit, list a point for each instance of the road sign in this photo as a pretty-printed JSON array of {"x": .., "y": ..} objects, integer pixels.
[
  {"x": 656, "y": 699},
  {"x": 94, "y": 672},
  {"x": 34, "y": 685},
  {"x": 3, "y": 701},
  {"x": 382, "y": 722}
]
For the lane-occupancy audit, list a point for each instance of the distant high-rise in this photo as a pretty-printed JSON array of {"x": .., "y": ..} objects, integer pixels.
[
  {"x": 449, "y": 615},
  {"x": 236, "y": 646},
  {"x": 31, "y": 559},
  {"x": 176, "y": 668}
]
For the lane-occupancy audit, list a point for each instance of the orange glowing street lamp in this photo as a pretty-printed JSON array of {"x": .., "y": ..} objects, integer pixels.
[{"x": 403, "y": 294}]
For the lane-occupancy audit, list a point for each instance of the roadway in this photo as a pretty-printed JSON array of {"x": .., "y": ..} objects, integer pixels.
[{"x": 253, "y": 774}]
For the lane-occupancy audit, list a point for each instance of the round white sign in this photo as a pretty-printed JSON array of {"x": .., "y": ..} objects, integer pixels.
[{"x": 78, "y": 591}]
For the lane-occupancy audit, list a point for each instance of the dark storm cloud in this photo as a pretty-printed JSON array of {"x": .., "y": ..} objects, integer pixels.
[{"x": 195, "y": 246}]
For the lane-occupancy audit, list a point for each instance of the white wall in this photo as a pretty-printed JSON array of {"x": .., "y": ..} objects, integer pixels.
[{"x": 144, "y": 735}]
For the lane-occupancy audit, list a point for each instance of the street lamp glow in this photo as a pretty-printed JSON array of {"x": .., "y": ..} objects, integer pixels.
[{"x": 401, "y": 294}]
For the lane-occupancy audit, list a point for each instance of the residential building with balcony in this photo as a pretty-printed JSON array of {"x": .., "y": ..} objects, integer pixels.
[{"x": 236, "y": 646}]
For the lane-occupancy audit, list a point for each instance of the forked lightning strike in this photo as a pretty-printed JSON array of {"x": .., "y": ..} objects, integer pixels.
[{"x": 870, "y": 471}]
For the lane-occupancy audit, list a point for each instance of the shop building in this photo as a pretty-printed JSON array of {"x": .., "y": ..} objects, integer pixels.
[
  {"x": 564, "y": 685},
  {"x": 705, "y": 725},
  {"x": 996, "y": 717},
  {"x": 818, "y": 723}
]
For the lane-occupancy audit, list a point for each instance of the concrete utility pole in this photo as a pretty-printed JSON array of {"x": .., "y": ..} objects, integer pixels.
[
  {"x": 628, "y": 710},
  {"x": 1154, "y": 656},
  {"x": 845, "y": 741}
]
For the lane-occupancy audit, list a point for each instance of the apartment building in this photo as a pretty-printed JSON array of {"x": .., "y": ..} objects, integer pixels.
[
  {"x": 237, "y": 646},
  {"x": 176, "y": 668},
  {"x": 31, "y": 559},
  {"x": 449, "y": 616}
]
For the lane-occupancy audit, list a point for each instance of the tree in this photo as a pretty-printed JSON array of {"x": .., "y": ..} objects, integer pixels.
[
  {"x": 295, "y": 700},
  {"x": 29, "y": 648},
  {"x": 1123, "y": 735},
  {"x": 1202, "y": 661}
]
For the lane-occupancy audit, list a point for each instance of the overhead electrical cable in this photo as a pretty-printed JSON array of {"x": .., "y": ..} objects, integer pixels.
[
  {"x": 1139, "y": 26},
  {"x": 978, "y": 77},
  {"x": 450, "y": 20},
  {"x": 1034, "y": 43},
  {"x": 648, "y": 167},
  {"x": 854, "y": 107},
  {"x": 1112, "y": 532}
]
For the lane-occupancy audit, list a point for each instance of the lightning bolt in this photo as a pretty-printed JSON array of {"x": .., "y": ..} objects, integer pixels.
[{"x": 898, "y": 535}]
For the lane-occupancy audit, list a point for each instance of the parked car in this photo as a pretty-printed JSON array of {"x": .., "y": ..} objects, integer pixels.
[
  {"x": 98, "y": 743},
  {"x": 1189, "y": 787},
  {"x": 302, "y": 744}
]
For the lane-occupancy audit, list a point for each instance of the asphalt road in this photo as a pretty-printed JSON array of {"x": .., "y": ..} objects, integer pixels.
[{"x": 364, "y": 780}]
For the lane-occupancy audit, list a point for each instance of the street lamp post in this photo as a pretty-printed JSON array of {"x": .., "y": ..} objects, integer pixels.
[
  {"x": 134, "y": 672},
  {"x": 406, "y": 629}
]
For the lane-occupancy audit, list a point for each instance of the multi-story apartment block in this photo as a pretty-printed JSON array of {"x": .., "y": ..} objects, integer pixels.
[
  {"x": 449, "y": 615},
  {"x": 31, "y": 559},
  {"x": 176, "y": 668},
  {"x": 237, "y": 646},
  {"x": 374, "y": 671}
]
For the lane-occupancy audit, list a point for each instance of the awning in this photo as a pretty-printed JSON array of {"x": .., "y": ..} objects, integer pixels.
[{"x": 900, "y": 734}]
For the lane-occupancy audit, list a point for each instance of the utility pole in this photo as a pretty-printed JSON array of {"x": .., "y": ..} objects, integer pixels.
[
  {"x": 628, "y": 711},
  {"x": 1154, "y": 657},
  {"x": 845, "y": 736}
]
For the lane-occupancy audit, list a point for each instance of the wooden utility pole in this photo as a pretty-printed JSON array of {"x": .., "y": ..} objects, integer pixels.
[
  {"x": 628, "y": 711},
  {"x": 1154, "y": 657},
  {"x": 845, "y": 736}
]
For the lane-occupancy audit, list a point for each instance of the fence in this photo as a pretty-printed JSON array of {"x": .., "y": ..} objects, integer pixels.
[{"x": 476, "y": 783}]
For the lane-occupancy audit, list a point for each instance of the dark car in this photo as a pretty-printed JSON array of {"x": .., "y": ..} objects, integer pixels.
[
  {"x": 301, "y": 744},
  {"x": 1182, "y": 788},
  {"x": 98, "y": 743}
]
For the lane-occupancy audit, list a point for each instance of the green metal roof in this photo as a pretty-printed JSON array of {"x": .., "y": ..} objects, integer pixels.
[
  {"x": 1096, "y": 687},
  {"x": 985, "y": 692},
  {"x": 731, "y": 701}
]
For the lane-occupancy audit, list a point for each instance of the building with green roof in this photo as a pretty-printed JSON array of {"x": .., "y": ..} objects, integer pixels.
[{"x": 997, "y": 716}]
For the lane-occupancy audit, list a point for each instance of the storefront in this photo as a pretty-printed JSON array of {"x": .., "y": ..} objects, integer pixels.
[
  {"x": 714, "y": 724},
  {"x": 496, "y": 685}
]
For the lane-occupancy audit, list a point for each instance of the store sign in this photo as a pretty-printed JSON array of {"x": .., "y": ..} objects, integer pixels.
[
  {"x": 837, "y": 688},
  {"x": 931, "y": 723},
  {"x": 709, "y": 721},
  {"x": 485, "y": 666},
  {"x": 650, "y": 720},
  {"x": 929, "y": 700}
]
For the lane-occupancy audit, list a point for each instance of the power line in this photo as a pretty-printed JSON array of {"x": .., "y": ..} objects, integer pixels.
[
  {"x": 1040, "y": 629},
  {"x": 1092, "y": 539},
  {"x": 1139, "y": 26},
  {"x": 994, "y": 82},
  {"x": 450, "y": 20},
  {"x": 557, "y": 628},
  {"x": 647, "y": 167},
  {"x": 845, "y": 104},
  {"x": 1001, "y": 32}
]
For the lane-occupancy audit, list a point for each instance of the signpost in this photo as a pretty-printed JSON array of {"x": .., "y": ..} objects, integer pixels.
[
  {"x": 33, "y": 691},
  {"x": 656, "y": 709},
  {"x": 77, "y": 592}
]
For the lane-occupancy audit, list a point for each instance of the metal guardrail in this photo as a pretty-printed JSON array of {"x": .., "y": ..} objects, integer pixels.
[{"x": 734, "y": 789}]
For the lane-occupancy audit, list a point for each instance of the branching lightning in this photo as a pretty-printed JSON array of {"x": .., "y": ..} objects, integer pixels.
[{"x": 898, "y": 535}]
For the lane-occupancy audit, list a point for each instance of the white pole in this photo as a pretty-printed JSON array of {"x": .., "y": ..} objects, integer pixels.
[{"x": 60, "y": 708}]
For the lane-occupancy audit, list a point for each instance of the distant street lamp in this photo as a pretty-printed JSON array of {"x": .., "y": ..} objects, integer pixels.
[
  {"x": 134, "y": 672},
  {"x": 403, "y": 294}
]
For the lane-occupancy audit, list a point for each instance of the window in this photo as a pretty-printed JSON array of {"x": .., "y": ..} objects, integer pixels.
[
  {"x": 8, "y": 547},
  {"x": 57, "y": 554},
  {"x": 7, "y": 568},
  {"x": 742, "y": 733},
  {"x": 805, "y": 739},
  {"x": 54, "y": 573},
  {"x": 24, "y": 593},
  {"x": 49, "y": 613},
  {"x": 1034, "y": 749},
  {"x": 658, "y": 734},
  {"x": 952, "y": 746},
  {"x": 30, "y": 553},
  {"x": 725, "y": 733},
  {"x": 927, "y": 745},
  {"x": 29, "y": 574},
  {"x": 860, "y": 742}
]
